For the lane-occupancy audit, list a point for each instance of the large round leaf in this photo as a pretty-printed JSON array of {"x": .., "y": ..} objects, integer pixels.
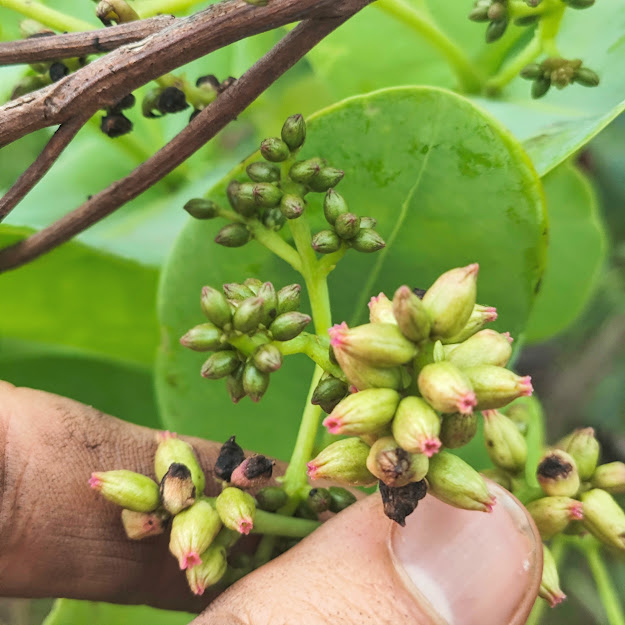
[{"x": 448, "y": 187}]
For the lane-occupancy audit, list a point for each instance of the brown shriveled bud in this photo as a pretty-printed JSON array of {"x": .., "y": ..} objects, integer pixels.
[
  {"x": 401, "y": 502},
  {"x": 394, "y": 465},
  {"x": 230, "y": 457},
  {"x": 557, "y": 474},
  {"x": 140, "y": 525},
  {"x": 253, "y": 472},
  {"x": 177, "y": 489}
]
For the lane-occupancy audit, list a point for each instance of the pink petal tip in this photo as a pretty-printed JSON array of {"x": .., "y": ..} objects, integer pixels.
[
  {"x": 245, "y": 525},
  {"x": 95, "y": 482},
  {"x": 198, "y": 590},
  {"x": 525, "y": 386},
  {"x": 490, "y": 314},
  {"x": 189, "y": 560},
  {"x": 333, "y": 424},
  {"x": 507, "y": 335},
  {"x": 431, "y": 446},
  {"x": 576, "y": 513},
  {"x": 337, "y": 334},
  {"x": 311, "y": 470},
  {"x": 473, "y": 268},
  {"x": 555, "y": 600},
  {"x": 352, "y": 389},
  {"x": 490, "y": 505},
  {"x": 466, "y": 403}
]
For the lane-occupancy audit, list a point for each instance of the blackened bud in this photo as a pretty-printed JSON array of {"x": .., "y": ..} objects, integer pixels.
[
  {"x": 177, "y": 489},
  {"x": 230, "y": 457},
  {"x": 252, "y": 472},
  {"x": 401, "y": 502},
  {"x": 171, "y": 100},
  {"x": 115, "y": 125},
  {"x": 57, "y": 71}
]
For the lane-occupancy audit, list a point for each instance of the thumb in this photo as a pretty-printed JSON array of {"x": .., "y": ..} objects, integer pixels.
[{"x": 446, "y": 566}]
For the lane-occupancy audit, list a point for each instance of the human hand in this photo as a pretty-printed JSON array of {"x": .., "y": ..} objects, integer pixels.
[{"x": 59, "y": 538}]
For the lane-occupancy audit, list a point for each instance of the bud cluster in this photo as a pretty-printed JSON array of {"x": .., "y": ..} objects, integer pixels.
[
  {"x": 497, "y": 14},
  {"x": 246, "y": 323},
  {"x": 558, "y": 72}
]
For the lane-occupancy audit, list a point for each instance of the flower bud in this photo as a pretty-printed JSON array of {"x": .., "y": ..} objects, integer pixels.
[
  {"x": 347, "y": 225},
  {"x": 479, "y": 14},
  {"x": 480, "y": 316},
  {"x": 416, "y": 426},
  {"x": 610, "y": 477},
  {"x": 486, "y": 347},
  {"x": 334, "y": 206},
  {"x": 192, "y": 532},
  {"x": 237, "y": 509},
  {"x": 173, "y": 450},
  {"x": 367, "y": 241},
  {"x": 248, "y": 315},
  {"x": 344, "y": 462},
  {"x": 579, "y": 4},
  {"x": 127, "y": 489},
  {"x": 253, "y": 472},
  {"x": 292, "y": 206},
  {"x": 496, "y": 387},
  {"x": 550, "y": 583},
  {"x": 586, "y": 77},
  {"x": 451, "y": 299},
  {"x": 230, "y": 457},
  {"x": 410, "y": 313},
  {"x": 234, "y": 385},
  {"x": 505, "y": 445},
  {"x": 379, "y": 344},
  {"x": 604, "y": 518},
  {"x": 458, "y": 429},
  {"x": 532, "y": 71},
  {"x": 553, "y": 514},
  {"x": 340, "y": 498},
  {"x": 267, "y": 358},
  {"x": 325, "y": 178},
  {"x": 519, "y": 413},
  {"x": 362, "y": 375},
  {"x": 271, "y": 498},
  {"x": 177, "y": 489},
  {"x": 394, "y": 465},
  {"x": 253, "y": 284},
  {"x": 319, "y": 499},
  {"x": 328, "y": 392},
  {"x": 496, "y": 29},
  {"x": 294, "y": 132},
  {"x": 364, "y": 412},
  {"x": 304, "y": 171},
  {"x": 233, "y": 235},
  {"x": 367, "y": 223},
  {"x": 220, "y": 364},
  {"x": 209, "y": 571},
  {"x": 140, "y": 525},
  {"x": 288, "y": 325},
  {"x": 540, "y": 87},
  {"x": 584, "y": 447},
  {"x": 557, "y": 474},
  {"x": 206, "y": 337},
  {"x": 455, "y": 482},
  {"x": 496, "y": 11},
  {"x": 446, "y": 388},
  {"x": 266, "y": 194},
  {"x": 289, "y": 298},
  {"x": 201, "y": 208},
  {"x": 326, "y": 242},
  {"x": 255, "y": 382},
  {"x": 274, "y": 150},
  {"x": 215, "y": 306},
  {"x": 381, "y": 310},
  {"x": 305, "y": 511},
  {"x": 260, "y": 171}
]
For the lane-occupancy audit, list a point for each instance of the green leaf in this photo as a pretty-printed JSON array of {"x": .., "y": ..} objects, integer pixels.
[
  {"x": 575, "y": 256},
  {"x": 71, "y": 612},
  {"x": 451, "y": 189}
]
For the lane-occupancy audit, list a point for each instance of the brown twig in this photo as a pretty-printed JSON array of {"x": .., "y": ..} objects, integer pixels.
[
  {"x": 203, "y": 128},
  {"x": 57, "y": 47}
]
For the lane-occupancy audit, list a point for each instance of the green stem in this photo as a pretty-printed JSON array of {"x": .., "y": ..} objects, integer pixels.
[
  {"x": 46, "y": 16},
  {"x": 275, "y": 243},
  {"x": 279, "y": 525},
  {"x": 314, "y": 348},
  {"x": 328, "y": 262},
  {"x": 605, "y": 586},
  {"x": 468, "y": 75},
  {"x": 511, "y": 70}
]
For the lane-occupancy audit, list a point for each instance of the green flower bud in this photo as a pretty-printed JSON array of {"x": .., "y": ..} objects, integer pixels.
[
  {"x": 203, "y": 338},
  {"x": 292, "y": 206},
  {"x": 288, "y": 325},
  {"x": 499, "y": 477},
  {"x": 446, "y": 388},
  {"x": 381, "y": 310},
  {"x": 480, "y": 315},
  {"x": 367, "y": 241},
  {"x": 271, "y": 498},
  {"x": 289, "y": 298},
  {"x": 367, "y": 223},
  {"x": 231, "y": 192},
  {"x": 333, "y": 206},
  {"x": 210, "y": 570},
  {"x": 610, "y": 477},
  {"x": 305, "y": 511},
  {"x": 540, "y": 87},
  {"x": 267, "y": 358},
  {"x": 304, "y": 171},
  {"x": 273, "y": 219},
  {"x": 192, "y": 532},
  {"x": 505, "y": 445},
  {"x": 458, "y": 429},
  {"x": 245, "y": 203},
  {"x": 363, "y": 375},
  {"x": 479, "y": 14},
  {"x": 253, "y": 284},
  {"x": 495, "y": 30},
  {"x": 550, "y": 583},
  {"x": 248, "y": 315},
  {"x": 344, "y": 462},
  {"x": 519, "y": 413},
  {"x": 579, "y": 4},
  {"x": 319, "y": 500},
  {"x": 557, "y": 474},
  {"x": 411, "y": 315},
  {"x": 347, "y": 225},
  {"x": 584, "y": 447},
  {"x": 127, "y": 489},
  {"x": 487, "y": 347},
  {"x": 553, "y": 514},
  {"x": 586, "y": 77},
  {"x": 220, "y": 364},
  {"x": 496, "y": 387},
  {"x": 416, "y": 426},
  {"x": 326, "y": 178},
  {"x": 496, "y": 11},
  {"x": 201, "y": 209},
  {"x": 215, "y": 306},
  {"x": 340, "y": 498},
  {"x": 237, "y": 509},
  {"x": 238, "y": 292},
  {"x": 267, "y": 293},
  {"x": 234, "y": 385},
  {"x": 364, "y": 412},
  {"x": 294, "y": 132},
  {"x": 532, "y": 71},
  {"x": 177, "y": 489},
  {"x": 261, "y": 171},
  {"x": 604, "y": 518},
  {"x": 326, "y": 242},
  {"x": 173, "y": 450},
  {"x": 266, "y": 194},
  {"x": 451, "y": 299},
  {"x": 233, "y": 235},
  {"x": 328, "y": 392},
  {"x": 395, "y": 466},
  {"x": 527, "y": 20},
  {"x": 455, "y": 482},
  {"x": 274, "y": 150},
  {"x": 378, "y": 344},
  {"x": 255, "y": 382},
  {"x": 140, "y": 525}
]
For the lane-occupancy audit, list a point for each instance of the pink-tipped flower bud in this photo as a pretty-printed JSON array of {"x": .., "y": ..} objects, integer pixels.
[
  {"x": 177, "y": 489},
  {"x": 486, "y": 347},
  {"x": 496, "y": 387},
  {"x": 395, "y": 466},
  {"x": 140, "y": 525},
  {"x": 192, "y": 532},
  {"x": 172, "y": 449},
  {"x": 557, "y": 474},
  {"x": 206, "y": 337},
  {"x": 377, "y": 344},
  {"x": 253, "y": 472},
  {"x": 209, "y": 571},
  {"x": 364, "y": 412},
  {"x": 458, "y": 429},
  {"x": 583, "y": 445},
  {"x": 381, "y": 309},
  {"x": 610, "y": 477},
  {"x": 450, "y": 300},
  {"x": 480, "y": 316},
  {"x": 127, "y": 489},
  {"x": 344, "y": 462},
  {"x": 550, "y": 583},
  {"x": 237, "y": 509},
  {"x": 416, "y": 427},
  {"x": 553, "y": 514},
  {"x": 455, "y": 482},
  {"x": 604, "y": 518},
  {"x": 411, "y": 315},
  {"x": 446, "y": 388},
  {"x": 505, "y": 445}
]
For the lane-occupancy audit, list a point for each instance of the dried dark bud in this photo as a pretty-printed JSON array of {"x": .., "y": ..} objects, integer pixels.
[
  {"x": 230, "y": 457},
  {"x": 209, "y": 80},
  {"x": 115, "y": 125},
  {"x": 177, "y": 490},
  {"x": 419, "y": 292},
  {"x": 171, "y": 100},
  {"x": 252, "y": 472},
  {"x": 127, "y": 102},
  {"x": 401, "y": 502},
  {"x": 57, "y": 71},
  {"x": 228, "y": 82}
]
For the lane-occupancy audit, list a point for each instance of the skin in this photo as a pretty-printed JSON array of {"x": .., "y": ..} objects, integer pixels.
[{"x": 61, "y": 539}]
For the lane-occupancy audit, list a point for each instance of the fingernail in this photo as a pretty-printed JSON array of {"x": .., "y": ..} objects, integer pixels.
[{"x": 472, "y": 568}]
